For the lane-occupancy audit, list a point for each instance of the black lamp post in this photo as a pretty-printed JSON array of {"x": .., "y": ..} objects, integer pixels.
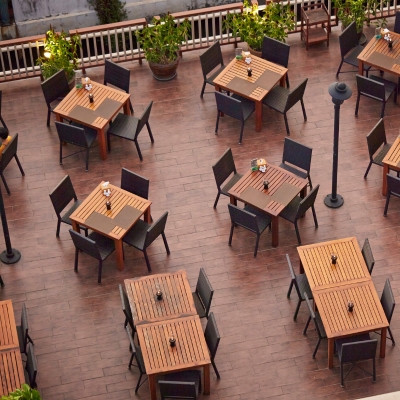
[{"x": 339, "y": 92}]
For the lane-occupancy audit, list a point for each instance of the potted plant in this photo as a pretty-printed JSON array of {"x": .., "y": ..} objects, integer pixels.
[
  {"x": 161, "y": 42},
  {"x": 276, "y": 21},
  {"x": 25, "y": 393}
]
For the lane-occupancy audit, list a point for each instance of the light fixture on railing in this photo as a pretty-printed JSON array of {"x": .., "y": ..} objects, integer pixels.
[{"x": 47, "y": 54}]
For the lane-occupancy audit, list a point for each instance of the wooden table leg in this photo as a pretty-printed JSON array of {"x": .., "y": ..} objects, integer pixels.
[
  {"x": 275, "y": 231},
  {"x": 259, "y": 113},
  {"x": 384, "y": 180},
  {"x": 206, "y": 374},
  {"x": 59, "y": 118},
  {"x": 75, "y": 226},
  {"x": 233, "y": 200},
  {"x": 282, "y": 81},
  {"x": 152, "y": 385},
  {"x": 360, "y": 68},
  {"x": 383, "y": 343},
  {"x": 331, "y": 345},
  {"x": 127, "y": 108},
  {"x": 120, "y": 255},
  {"x": 147, "y": 216},
  {"x": 101, "y": 137}
]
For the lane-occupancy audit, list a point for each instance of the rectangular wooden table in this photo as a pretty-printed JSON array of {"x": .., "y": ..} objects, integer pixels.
[
  {"x": 283, "y": 188},
  {"x": 126, "y": 209},
  {"x": 265, "y": 75},
  {"x": 190, "y": 351},
  {"x": 391, "y": 161},
  {"x": 11, "y": 369},
  {"x": 177, "y": 299},
  {"x": 107, "y": 103}
]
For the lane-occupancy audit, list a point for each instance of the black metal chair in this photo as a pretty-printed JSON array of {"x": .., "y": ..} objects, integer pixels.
[
  {"x": 396, "y": 27},
  {"x": 203, "y": 295},
  {"x": 177, "y": 390},
  {"x": 375, "y": 88},
  {"x": 250, "y": 219},
  {"x": 9, "y": 153},
  {"x": 31, "y": 368},
  {"x": 23, "y": 332},
  {"x": 209, "y": 60},
  {"x": 117, "y": 76},
  {"x": 300, "y": 283},
  {"x": 54, "y": 89},
  {"x": 128, "y": 127},
  {"x": 393, "y": 188},
  {"x": 1, "y": 117},
  {"x": 212, "y": 337},
  {"x": 142, "y": 235},
  {"x": 297, "y": 155},
  {"x": 223, "y": 169},
  {"x": 351, "y": 350},
  {"x": 350, "y": 49},
  {"x": 95, "y": 245},
  {"x": 368, "y": 256},
  {"x": 388, "y": 303},
  {"x": 236, "y": 107},
  {"x": 189, "y": 375},
  {"x": 298, "y": 207},
  {"x": 78, "y": 136},
  {"x": 282, "y": 100},
  {"x": 277, "y": 52},
  {"x": 126, "y": 309}
]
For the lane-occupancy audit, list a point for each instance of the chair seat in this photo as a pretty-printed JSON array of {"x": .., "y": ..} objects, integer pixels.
[
  {"x": 65, "y": 218},
  {"x": 210, "y": 78},
  {"x": 277, "y": 98},
  {"x": 390, "y": 86},
  {"x": 263, "y": 219},
  {"x": 91, "y": 133},
  {"x": 320, "y": 325},
  {"x": 294, "y": 170},
  {"x": 381, "y": 155},
  {"x": 350, "y": 339},
  {"x": 136, "y": 236},
  {"x": 124, "y": 126},
  {"x": 106, "y": 246},
  {"x": 232, "y": 182},
  {"x": 290, "y": 211},
  {"x": 351, "y": 57},
  {"x": 199, "y": 306},
  {"x": 190, "y": 375},
  {"x": 304, "y": 286},
  {"x": 248, "y": 106},
  {"x": 20, "y": 338}
]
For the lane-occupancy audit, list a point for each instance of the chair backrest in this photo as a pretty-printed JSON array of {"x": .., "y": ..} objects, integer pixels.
[
  {"x": 370, "y": 88},
  {"x": 177, "y": 390},
  {"x": 156, "y": 230},
  {"x": 224, "y": 167},
  {"x": 296, "y": 94},
  {"x": 307, "y": 202},
  {"x": 396, "y": 28},
  {"x": 297, "y": 154},
  {"x": 139, "y": 358},
  {"x": 54, "y": 87},
  {"x": 393, "y": 185},
  {"x": 31, "y": 366},
  {"x": 126, "y": 307},
  {"x": 62, "y": 195},
  {"x": 116, "y": 75},
  {"x": 293, "y": 276},
  {"x": 358, "y": 351},
  {"x": 72, "y": 134},
  {"x": 135, "y": 183},
  {"x": 212, "y": 336},
  {"x": 144, "y": 119},
  {"x": 376, "y": 138},
  {"x": 131, "y": 341},
  {"x": 85, "y": 244},
  {"x": 229, "y": 106},
  {"x": 368, "y": 256},
  {"x": 24, "y": 327},
  {"x": 211, "y": 58},
  {"x": 243, "y": 218},
  {"x": 387, "y": 300},
  {"x": 312, "y": 315},
  {"x": 275, "y": 51},
  {"x": 9, "y": 152},
  {"x": 204, "y": 290},
  {"x": 348, "y": 39}
]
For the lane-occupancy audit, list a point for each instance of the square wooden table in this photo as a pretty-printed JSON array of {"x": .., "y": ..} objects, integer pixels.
[
  {"x": 391, "y": 161},
  {"x": 107, "y": 103},
  {"x": 265, "y": 75},
  {"x": 11, "y": 369},
  {"x": 177, "y": 299},
  {"x": 283, "y": 188},
  {"x": 190, "y": 351},
  {"x": 126, "y": 209}
]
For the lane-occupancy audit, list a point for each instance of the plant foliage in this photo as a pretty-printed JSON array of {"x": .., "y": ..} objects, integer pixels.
[
  {"x": 109, "y": 11},
  {"x": 25, "y": 393}
]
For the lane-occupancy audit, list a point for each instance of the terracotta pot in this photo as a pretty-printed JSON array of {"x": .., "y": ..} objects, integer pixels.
[
  {"x": 254, "y": 52},
  {"x": 164, "y": 72}
]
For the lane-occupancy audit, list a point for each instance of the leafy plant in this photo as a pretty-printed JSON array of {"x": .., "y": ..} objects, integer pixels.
[
  {"x": 25, "y": 393},
  {"x": 109, "y": 11},
  {"x": 275, "y": 22},
  {"x": 161, "y": 40},
  {"x": 61, "y": 52}
]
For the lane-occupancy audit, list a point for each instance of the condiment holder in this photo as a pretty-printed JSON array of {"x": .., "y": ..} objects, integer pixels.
[
  {"x": 91, "y": 97},
  {"x": 249, "y": 71},
  {"x": 238, "y": 53},
  {"x": 266, "y": 184},
  {"x": 159, "y": 294},
  {"x": 172, "y": 341},
  {"x": 334, "y": 259},
  {"x": 108, "y": 205},
  {"x": 350, "y": 306}
]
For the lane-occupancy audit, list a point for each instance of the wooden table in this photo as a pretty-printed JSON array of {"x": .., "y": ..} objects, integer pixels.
[
  {"x": 265, "y": 75},
  {"x": 391, "y": 161},
  {"x": 11, "y": 369},
  {"x": 190, "y": 352},
  {"x": 283, "y": 188},
  {"x": 126, "y": 209},
  {"x": 177, "y": 300},
  {"x": 107, "y": 103}
]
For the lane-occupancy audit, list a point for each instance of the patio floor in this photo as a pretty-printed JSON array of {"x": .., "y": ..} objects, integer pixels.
[{"x": 77, "y": 326}]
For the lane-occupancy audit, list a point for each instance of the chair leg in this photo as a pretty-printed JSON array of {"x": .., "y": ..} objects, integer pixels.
[
  {"x": 131, "y": 360},
  {"x": 100, "y": 268},
  {"x": 1, "y": 281},
  {"x": 216, "y": 200},
  {"x": 297, "y": 232},
  {"x": 383, "y": 109},
  {"x": 231, "y": 234},
  {"x": 165, "y": 243},
  {"x": 58, "y": 227},
  {"x": 5, "y": 184},
  {"x": 309, "y": 181},
  {"x": 290, "y": 289},
  {"x": 108, "y": 142},
  {"x": 76, "y": 260},
  {"x": 30, "y": 339},
  {"x": 340, "y": 66},
  {"x": 306, "y": 327},
  {"x": 130, "y": 106},
  {"x": 215, "y": 369},
  {"x": 341, "y": 375},
  {"x": 256, "y": 248},
  {"x": 366, "y": 172},
  {"x": 387, "y": 204},
  {"x": 357, "y": 104},
  {"x": 315, "y": 216},
  {"x": 241, "y": 133},
  {"x": 373, "y": 370},
  {"x": 287, "y": 80},
  {"x": 217, "y": 124},
  {"x": 138, "y": 383},
  {"x": 150, "y": 132},
  {"x": 61, "y": 145},
  {"x": 2, "y": 121},
  {"x": 297, "y": 310},
  {"x": 316, "y": 348},
  {"x": 87, "y": 159},
  {"x": 304, "y": 109},
  {"x": 19, "y": 165},
  {"x": 391, "y": 336},
  {"x": 138, "y": 150},
  {"x": 147, "y": 260},
  {"x": 202, "y": 89},
  {"x": 287, "y": 124},
  {"x": 48, "y": 115}
]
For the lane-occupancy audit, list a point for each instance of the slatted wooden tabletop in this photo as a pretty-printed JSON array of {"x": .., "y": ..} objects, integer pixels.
[
  {"x": 177, "y": 300},
  {"x": 8, "y": 331},
  {"x": 392, "y": 158}
]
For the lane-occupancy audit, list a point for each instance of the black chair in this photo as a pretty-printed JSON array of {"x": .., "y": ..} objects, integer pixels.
[
  {"x": 177, "y": 390},
  {"x": 128, "y": 127},
  {"x": 388, "y": 303},
  {"x": 297, "y": 155},
  {"x": 250, "y": 219},
  {"x": 203, "y": 295},
  {"x": 396, "y": 27},
  {"x": 300, "y": 283},
  {"x": 54, "y": 89},
  {"x": 189, "y": 375},
  {"x": 277, "y": 52},
  {"x": 212, "y": 337},
  {"x": 236, "y": 107},
  {"x": 1, "y": 117},
  {"x": 142, "y": 235},
  {"x": 209, "y": 60},
  {"x": 350, "y": 49},
  {"x": 368, "y": 256},
  {"x": 393, "y": 188},
  {"x": 282, "y": 100},
  {"x": 375, "y": 88},
  {"x": 319, "y": 326},
  {"x": 23, "y": 332},
  {"x": 126, "y": 309},
  {"x": 78, "y": 136},
  {"x": 117, "y": 76},
  {"x": 9, "y": 153},
  {"x": 351, "y": 350},
  {"x": 60, "y": 197},
  {"x": 298, "y": 207},
  {"x": 96, "y": 245},
  {"x": 223, "y": 169},
  {"x": 31, "y": 368}
]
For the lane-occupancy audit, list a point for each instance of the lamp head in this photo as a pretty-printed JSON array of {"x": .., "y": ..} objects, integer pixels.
[{"x": 339, "y": 92}]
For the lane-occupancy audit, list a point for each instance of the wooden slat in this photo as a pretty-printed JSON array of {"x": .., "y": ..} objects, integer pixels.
[
  {"x": 8, "y": 331},
  {"x": 392, "y": 157}
]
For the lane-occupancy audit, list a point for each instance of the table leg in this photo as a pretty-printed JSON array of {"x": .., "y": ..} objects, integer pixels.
[
  {"x": 384, "y": 180},
  {"x": 360, "y": 68},
  {"x": 206, "y": 374},
  {"x": 120, "y": 254},
  {"x": 331, "y": 345},
  {"x": 59, "y": 118},
  {"x": 301, "y": 268},
  {"x": 147, "y": 216},
  {"x": 152, "y": 385},
  {"x": 127, "y": 108},
  {"x": 101, "y": 137},
  {"x": 218, "y": 89},
  {"x": 233, "y": 200},
  {"x": 275, "y": 231},
  {"x": 75, "y": 226},
  {"x": 282, "y": 81},
  {"x": 259, "y": 113},
  {"x": 383, "y": 343}
]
